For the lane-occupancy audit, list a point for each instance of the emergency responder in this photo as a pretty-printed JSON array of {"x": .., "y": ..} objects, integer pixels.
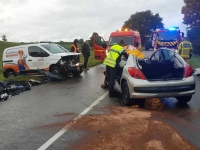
[
  {"x": 74, "y": 48},
  {"x": 185, "y": 49},
  {"x": 110, "y": 61},
  {"x": 130, "y": 50},
  {"x": 86, "y": 54}
]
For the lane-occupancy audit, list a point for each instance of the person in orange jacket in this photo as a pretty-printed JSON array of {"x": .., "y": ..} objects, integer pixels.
[{"x": 74, "y": 48}]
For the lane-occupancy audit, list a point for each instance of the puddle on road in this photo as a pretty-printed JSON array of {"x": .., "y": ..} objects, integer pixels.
[{"x": 127, "y": 128}]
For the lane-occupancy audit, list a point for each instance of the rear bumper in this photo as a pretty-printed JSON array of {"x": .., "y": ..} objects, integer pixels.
[
  {"x": 174, "y": 88},
  {"x": 157, "y": 95}
]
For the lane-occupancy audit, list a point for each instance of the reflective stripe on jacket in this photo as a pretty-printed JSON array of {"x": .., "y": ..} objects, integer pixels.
[
  {"x": 113, "y": 54},
  {"x": 185, "y": 48}
]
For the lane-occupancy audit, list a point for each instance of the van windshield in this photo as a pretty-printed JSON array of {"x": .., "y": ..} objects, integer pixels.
[
  {"x": 128, "y": 40},
  {"x": 54, "y": 48}
]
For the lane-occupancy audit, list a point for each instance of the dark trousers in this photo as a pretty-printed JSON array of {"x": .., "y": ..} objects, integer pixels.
[
  {"x": 112, "y": 80},
  {"x": 85, "y": 61}
]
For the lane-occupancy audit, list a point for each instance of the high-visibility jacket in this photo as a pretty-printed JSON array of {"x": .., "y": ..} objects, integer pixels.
[
  {"x": 113, "y": 54},
  {"x": 75, "y": 49},
  {"x": 184, "y": 49}
]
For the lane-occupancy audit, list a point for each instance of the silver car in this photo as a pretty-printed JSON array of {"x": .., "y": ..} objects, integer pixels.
[{"x": 164, "y": 74}]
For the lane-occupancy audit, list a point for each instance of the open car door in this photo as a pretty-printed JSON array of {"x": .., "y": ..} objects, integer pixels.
[{"x": 99, "y": 48}]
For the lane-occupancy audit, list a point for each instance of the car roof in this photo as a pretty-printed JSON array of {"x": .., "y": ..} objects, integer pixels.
[{"x": 34, "y": 44}]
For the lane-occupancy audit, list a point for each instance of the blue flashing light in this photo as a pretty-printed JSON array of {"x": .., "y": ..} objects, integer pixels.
[{"x": 172, "y": 29}]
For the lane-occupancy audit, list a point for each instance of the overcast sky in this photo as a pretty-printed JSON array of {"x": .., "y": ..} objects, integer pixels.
[{"x": 56, "y": 20}]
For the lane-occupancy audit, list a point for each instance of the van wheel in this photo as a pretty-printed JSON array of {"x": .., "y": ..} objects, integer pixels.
[
  {"x": 11, "y": 74},
  {"x": 55, "y": 70},
  {"x": 126, "y": 94},
  {"x": 183, "y": 99},
  {"x": 70, "y": 74}
]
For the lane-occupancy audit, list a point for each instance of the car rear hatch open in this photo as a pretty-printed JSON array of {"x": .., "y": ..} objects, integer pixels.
[{"x": 165, "y": 70}]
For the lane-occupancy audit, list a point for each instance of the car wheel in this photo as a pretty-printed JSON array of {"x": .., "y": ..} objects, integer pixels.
[
  {"x": 11, "y": 74},
  {"x": 126, "y": 94},
  {"x": 55, "y": 70},
  {"x": 183, "y": 99},
  {"x": 70, "y": 74},
  {"x": 81, "y": 69}
]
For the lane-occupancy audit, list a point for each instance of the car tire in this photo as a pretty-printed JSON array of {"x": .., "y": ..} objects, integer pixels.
[
  {"x": 11, "y": 74},
  {"x": 70, "y": 75},
  {"x": 183, "y": 99},
  {"x": 126, "y": 94},
  {"x": 81, "y": 69},
  {"x": 55, "y": 70}
]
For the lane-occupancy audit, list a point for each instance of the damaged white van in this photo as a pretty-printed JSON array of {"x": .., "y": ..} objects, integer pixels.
[{"x": 48, "y": 56}]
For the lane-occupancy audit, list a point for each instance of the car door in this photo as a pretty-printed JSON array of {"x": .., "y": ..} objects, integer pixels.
[
  {"x": 99, "y": 48},
  {"x": 36, "y": 57}
]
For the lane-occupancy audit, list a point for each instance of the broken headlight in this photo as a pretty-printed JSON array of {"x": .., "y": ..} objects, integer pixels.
[{"x": 62, "y": 62}]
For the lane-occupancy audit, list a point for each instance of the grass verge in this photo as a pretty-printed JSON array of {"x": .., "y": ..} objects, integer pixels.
[{"x": 195, "y": 62}]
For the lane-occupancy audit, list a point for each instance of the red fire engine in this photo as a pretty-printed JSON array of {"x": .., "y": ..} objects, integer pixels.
[
  {"x": 128, "y": 36},
  {"x": 170, "y": 38}
]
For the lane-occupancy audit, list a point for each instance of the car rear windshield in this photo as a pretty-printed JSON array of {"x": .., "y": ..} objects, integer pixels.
[
  {"x": 54, "y": 48},
  {"x": 128, "y": 40}
]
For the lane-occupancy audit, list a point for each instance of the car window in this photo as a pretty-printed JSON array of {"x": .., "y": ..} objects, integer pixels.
[
  {"x": 100, "y": 42},
  {"x": 54, "y": 48},
  {"x": 128, "y": 40},
  {"x": 36, "y": 51},
  {"x": 167, "y": 55},
  {"x": 155, "y": 56}
]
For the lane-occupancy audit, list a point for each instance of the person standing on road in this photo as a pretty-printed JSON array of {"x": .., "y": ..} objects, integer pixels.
[
  {"x": 185, "y": 50},
  {"x": 74, "y": 48},
  {"x": 86, "y": 54},
  {"x": 110, "y": 61}
]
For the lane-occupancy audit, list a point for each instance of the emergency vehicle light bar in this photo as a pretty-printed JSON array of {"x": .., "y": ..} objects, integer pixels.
[{"x": 123, "y": 30}]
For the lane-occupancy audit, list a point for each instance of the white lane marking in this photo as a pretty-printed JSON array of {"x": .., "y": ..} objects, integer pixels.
[{"x": 64, "y": 129}]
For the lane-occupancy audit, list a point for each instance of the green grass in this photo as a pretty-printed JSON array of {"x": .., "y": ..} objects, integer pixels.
[
  {"x": 195, "y": 62},
  {"x": 91, "y": 62}
]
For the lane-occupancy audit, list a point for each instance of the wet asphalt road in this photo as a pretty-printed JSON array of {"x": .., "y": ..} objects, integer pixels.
[{"x": 28, "y": 120}]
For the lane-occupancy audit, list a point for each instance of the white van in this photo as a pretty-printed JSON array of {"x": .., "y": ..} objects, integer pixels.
[{"x": 47, "y": 56}]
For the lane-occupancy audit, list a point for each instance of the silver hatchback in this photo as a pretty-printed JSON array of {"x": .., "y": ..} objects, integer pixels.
[{"x": 164, "y": 74}]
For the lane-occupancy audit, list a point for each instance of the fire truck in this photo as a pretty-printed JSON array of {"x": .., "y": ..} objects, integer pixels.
[
  {"x": 101, "y": 47},
  {"x": 170, "y": 38}
]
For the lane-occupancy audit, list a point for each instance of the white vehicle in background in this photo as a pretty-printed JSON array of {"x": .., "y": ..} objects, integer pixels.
[{"x": 51, "y": 57}]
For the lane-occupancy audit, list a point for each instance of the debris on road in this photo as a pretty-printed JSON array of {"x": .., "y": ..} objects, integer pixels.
[
  {"x": 11, "y": 88},
  {"x": 127, "y": 128}
]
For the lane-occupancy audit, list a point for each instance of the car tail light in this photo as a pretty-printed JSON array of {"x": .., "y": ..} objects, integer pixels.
[
  {"x": 136, "y": 73},
  {"x": 188, "y": 71}
]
